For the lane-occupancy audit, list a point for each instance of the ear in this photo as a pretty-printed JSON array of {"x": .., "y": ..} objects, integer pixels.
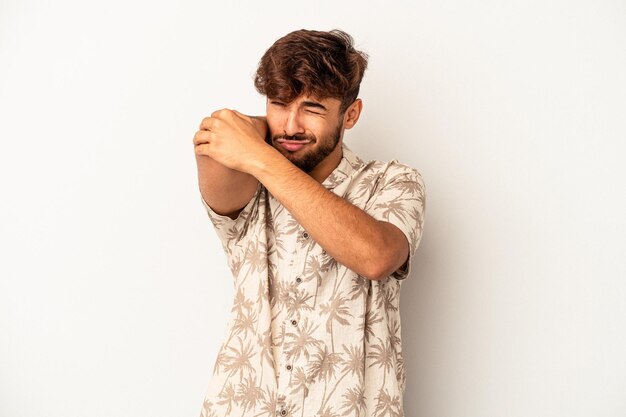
[{"x": 352, "y": 113}]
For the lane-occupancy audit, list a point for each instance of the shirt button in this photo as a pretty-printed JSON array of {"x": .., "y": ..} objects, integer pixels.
[
  {"x": 305, "y": 235},
  {"x": 294, "y": 322},
  {"x": 298, "y": 279},
  {"x": 323, "y": 251},
  {"x": 283, "y": 412},
  {"x": 289, "y": 367}
]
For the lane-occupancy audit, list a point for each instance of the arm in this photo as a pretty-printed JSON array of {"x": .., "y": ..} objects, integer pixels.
[
  {"x": 217, "y": 182},
  {"x": 372, "y": 248}
]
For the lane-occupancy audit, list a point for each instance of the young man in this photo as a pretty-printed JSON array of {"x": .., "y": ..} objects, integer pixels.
[{"x": 317, "y": 239}]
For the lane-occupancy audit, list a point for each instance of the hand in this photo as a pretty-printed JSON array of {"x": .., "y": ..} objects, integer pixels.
[
  {"x": 231, "y": 138},
  {"x": 260, "y": 122}
]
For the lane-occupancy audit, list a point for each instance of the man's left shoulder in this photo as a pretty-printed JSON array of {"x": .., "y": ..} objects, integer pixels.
[{"x": 396, "y": 171}]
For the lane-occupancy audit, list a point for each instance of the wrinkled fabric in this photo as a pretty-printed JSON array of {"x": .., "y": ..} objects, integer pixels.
[{"x": 307, "y": 336}]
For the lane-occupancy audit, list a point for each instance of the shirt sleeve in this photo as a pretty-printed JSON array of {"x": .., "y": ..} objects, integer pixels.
[
  {"x": 228, "y": 230},
  {"x": 400, "y": 199}
]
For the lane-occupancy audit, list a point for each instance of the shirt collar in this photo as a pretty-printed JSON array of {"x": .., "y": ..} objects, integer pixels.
[{"x": 349, "y": 163}]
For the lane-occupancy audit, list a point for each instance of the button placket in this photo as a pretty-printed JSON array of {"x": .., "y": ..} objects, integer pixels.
[{"x": 299, "y": 284}]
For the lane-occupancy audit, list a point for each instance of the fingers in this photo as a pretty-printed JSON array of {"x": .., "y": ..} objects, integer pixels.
[
  {"x": 223, "y": 113},
  {"x": 209, "y": 124},
  {"x": 243, "y": 116},
  {"x": 202, "y": 136}
]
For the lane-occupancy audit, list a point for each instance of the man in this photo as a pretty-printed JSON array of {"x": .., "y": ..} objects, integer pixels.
[{"x": 317, "y": 239}]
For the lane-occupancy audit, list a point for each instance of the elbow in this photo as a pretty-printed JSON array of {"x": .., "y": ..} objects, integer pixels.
[
  {"x": 381, "y": 271},
  {"x": 383, "y": 264}
]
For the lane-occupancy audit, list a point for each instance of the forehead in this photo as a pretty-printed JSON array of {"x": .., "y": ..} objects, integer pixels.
[{"x": 304, "y": 100}]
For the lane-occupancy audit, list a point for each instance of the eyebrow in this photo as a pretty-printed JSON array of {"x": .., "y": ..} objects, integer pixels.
[{"x": 314, "y": 104}]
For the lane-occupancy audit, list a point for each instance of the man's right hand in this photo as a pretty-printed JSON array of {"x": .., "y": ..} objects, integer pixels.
[
  {"x": 233, "y": 139},
  {"x": 226, "y": 190},
  {"x": 260, "y": 123}
]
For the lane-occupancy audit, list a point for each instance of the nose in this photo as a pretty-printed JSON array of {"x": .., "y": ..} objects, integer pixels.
[{"x": 293, "y": 124}]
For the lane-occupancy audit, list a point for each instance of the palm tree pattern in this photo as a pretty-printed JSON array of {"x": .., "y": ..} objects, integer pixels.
[{"x": 308, "y": 337}]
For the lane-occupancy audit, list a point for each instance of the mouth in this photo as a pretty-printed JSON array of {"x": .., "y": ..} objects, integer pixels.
[{"x": 292, "y": 145}]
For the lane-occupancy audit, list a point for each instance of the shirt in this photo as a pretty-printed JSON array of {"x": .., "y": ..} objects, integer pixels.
[{"x": 307, "y": 336}]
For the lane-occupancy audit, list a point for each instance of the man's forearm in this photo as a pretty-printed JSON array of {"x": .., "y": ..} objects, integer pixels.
[{"x": 347, "y": 233}]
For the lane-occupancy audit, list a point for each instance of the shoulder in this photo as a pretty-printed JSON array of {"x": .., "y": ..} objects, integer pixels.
[{"x": 388, "y": 172}]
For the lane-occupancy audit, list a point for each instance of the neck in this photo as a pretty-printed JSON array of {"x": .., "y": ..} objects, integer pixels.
[{"x": 328, "y": 165}]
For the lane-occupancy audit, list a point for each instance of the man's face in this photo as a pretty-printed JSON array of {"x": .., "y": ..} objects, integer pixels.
[{"x": 306, "y": 130}]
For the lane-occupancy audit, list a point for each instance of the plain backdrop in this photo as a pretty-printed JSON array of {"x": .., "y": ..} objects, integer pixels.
[{"x": 114, "y": 290}]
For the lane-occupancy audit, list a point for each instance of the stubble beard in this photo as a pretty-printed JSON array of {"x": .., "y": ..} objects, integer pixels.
[{"x": 311, "y": 159}]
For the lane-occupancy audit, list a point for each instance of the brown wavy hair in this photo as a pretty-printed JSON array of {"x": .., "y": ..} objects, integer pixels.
[{"x": 311, "y": 62}]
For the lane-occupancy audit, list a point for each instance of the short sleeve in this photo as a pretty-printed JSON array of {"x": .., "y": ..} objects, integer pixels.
[
  {"x": 229, "y": 230},
  {"x": 400, "y": 199}
]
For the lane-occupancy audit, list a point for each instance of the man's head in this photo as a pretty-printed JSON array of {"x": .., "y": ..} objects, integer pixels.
[{"x": 311, "y": 80}]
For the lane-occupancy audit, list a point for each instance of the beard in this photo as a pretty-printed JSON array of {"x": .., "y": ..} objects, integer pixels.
[{"x": 312, "y": 158}]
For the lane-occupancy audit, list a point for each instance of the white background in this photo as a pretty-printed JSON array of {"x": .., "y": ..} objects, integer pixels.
[{"x": 114, "y": 291}]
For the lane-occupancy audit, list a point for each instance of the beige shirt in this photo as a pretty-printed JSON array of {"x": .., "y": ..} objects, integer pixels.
[{"x": 307, "y": 336}]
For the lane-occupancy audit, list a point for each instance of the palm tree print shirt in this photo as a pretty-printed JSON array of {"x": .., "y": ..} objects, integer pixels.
[{"x": 308, "y": 337}]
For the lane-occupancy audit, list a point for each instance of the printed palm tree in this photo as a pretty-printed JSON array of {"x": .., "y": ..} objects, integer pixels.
[
  {"x": 243, "y": 321},
  {"x": 291, "y": 227},
  {"x": 352, "y": 364},
  {"x": 390, "y": 301},
  {"x": 279, "y": 243},
  {"x": 262, "y": 287},
  {"x": 337, "y": 311},
  {"x": 368, "y": 184},
  {"x": 263, "y": 298},
  {"x": 369, "y": 318},
  {"x": 300, "y": 381},
  {"x": 379, "y": 297},
  {"x": 239, "y": 361},
  {"x": 235, "y": 264},
  {"x": 323, "y": 367},
  {"x": 269, "y": 401},
  {"x": 400, "y": 371},
  {"x": 221, "y": 358},
  {"x": 284, "y": 294},
  {"x": 382, "y": 355},
  {"x": 396, "y": 207},
  {"x": 232, "y": 233},
  {"x": 274, "y": 287},
  {"x": 248, "y": 394},
  {"x": 410, "y": 186},
  {"x": 328, "y": 412},
  {"x": 394, "y": 333},
  {"x": 360, "y": 287},
  {"x": 387, "y": 405},
  {"x": 228, "y": 396},
  {"x": 264, "y": 340},
  {"x": 354, "y": 401},
  {"x": 300, "y": 341},
  {"x": 298, "y": 301},
  {"x": 316, "y": 269},
  {"x": 256, "y": 258},
  {"x": 240, "y": 302},
  {"x": 207, "y": 409},
  {"x": 243, "y": 324}
]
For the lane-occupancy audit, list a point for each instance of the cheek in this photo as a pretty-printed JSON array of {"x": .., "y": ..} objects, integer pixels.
[{"x": 272, "y": 125}]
